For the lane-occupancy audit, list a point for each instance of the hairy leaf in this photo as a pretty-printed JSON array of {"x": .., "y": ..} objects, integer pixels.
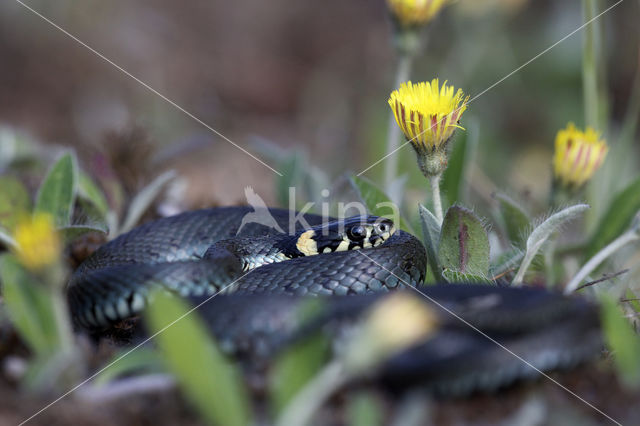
[
  {"x": 461, "y": 277},
  {"x": 617, "y": 218},
  {"x": 516, "y": 220},
  {"x": 431, "y": 234},
  {"x": 464, "y": 243},
  {"x": 57, "y": 192},
  {"x": 89, "y": 191},
  {"x": 542, "y": 232},
  {"x": 506, "y": 262},
  {"x": 14, "y": 200}
]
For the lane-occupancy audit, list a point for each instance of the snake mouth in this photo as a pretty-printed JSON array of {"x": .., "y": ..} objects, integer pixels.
[
  {"x": 383, "y": 229},
  {"x": 376, "y": 240}
]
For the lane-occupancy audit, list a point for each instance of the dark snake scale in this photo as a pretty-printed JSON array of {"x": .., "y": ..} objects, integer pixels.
[{"x": 193, "y": 254}]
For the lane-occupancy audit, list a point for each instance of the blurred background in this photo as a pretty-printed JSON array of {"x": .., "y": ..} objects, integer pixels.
[{"x": 307, "y": 75}]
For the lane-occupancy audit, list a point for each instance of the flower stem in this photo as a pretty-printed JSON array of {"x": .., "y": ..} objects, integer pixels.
[
  {"x": 589, "y": 66},
  {"x": 591, "y": 98},
  {"x": 435, "y": 190},
  {"x": 393, "y": 131},
  {"x": 615, "y": 245}
]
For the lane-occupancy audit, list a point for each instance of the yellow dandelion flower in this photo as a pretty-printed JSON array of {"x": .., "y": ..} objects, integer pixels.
[
  {"x": 428, "y": 115},
  {"x": 38, "y": 243},
  {"x": 400, "y": 321},
  {"x": 410, "y": 13},
  {"x": 577, "y": 155},
  {"x": 397, "y": 322}
]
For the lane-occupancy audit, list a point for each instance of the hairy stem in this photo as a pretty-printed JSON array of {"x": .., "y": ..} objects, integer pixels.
[{"x": 435, "y": 190}]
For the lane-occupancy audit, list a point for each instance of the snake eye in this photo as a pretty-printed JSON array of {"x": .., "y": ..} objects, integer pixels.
[
  {"x": 357, "y": 232},
  {"x": 383, "y": 227}
]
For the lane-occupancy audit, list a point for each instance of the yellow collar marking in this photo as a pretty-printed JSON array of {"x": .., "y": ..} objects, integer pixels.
[
  {"x": 343, "y": 246},
  {"x": 306, "y": 244}
]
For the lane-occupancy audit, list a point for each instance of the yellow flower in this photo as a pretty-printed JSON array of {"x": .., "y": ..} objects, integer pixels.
[
  {"x": 415, "y": 12},
  {"x": 401, "y": 320},
  {"x": 428, "y": 115},
  {"x": 578, "y": 155},
  {"x": 38, "y": 243},
  {"x": 395, "y": 323}
]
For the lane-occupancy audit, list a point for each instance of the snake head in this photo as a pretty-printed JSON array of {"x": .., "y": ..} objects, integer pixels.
[{"x": 352, "y": 233}]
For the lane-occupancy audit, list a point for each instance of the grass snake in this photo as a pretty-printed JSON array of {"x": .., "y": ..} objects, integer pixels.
[{"x": 197, "y": 254}]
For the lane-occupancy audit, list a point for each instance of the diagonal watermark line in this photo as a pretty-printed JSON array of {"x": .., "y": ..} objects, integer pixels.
[
  {"x": 482, "y": 333},
  {"x": 145, "y": 341},
  {"x": 145, "y": 85},
  {"x": 499, "y": 81}
]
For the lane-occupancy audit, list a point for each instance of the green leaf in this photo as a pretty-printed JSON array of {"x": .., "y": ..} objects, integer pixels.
[
  {"x": 542, "y": 232},
  {"x": 460, "y": 277},
  {"x": 15, "y": 148},
  {"x": 70, "y": 233},
  {"x": 87, "y": 214},
  {"x": 89, "y": 191},
  {"x": 300, "y": 363},
  {"x": 291, "y": 169},
  {"x": 516, "y": 220},
  {"x": 295, "y": 368},
  {"x": 29, "y": 306},
  {"x": 364, "y": 410},
  {"x": 14, "y": 201},
  {"x": 314, "y": 181},
  {"x": 58, "y": 190},
  {"x": 464, "y": 243},
  {"x": 462, "y": 152},
  {"x": 377, "y": 202},
  {"x": 507, "y": 261},
  {"x": 208, "y": 379},
  {"x": 142, "y": 201},
  {"x": 431, "y": 233},
  {"x": 140, "y": 360},
  {"x": 617, "y": 218},
  {"x": 633, "y": 300},
  {"x": 296, "y": 172},
  {"x": 54, "y": 372},
  {"x": 622, "y": 341}
]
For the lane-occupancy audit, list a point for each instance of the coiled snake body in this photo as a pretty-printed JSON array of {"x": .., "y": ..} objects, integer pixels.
[{"x": 198, "y": 253}]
